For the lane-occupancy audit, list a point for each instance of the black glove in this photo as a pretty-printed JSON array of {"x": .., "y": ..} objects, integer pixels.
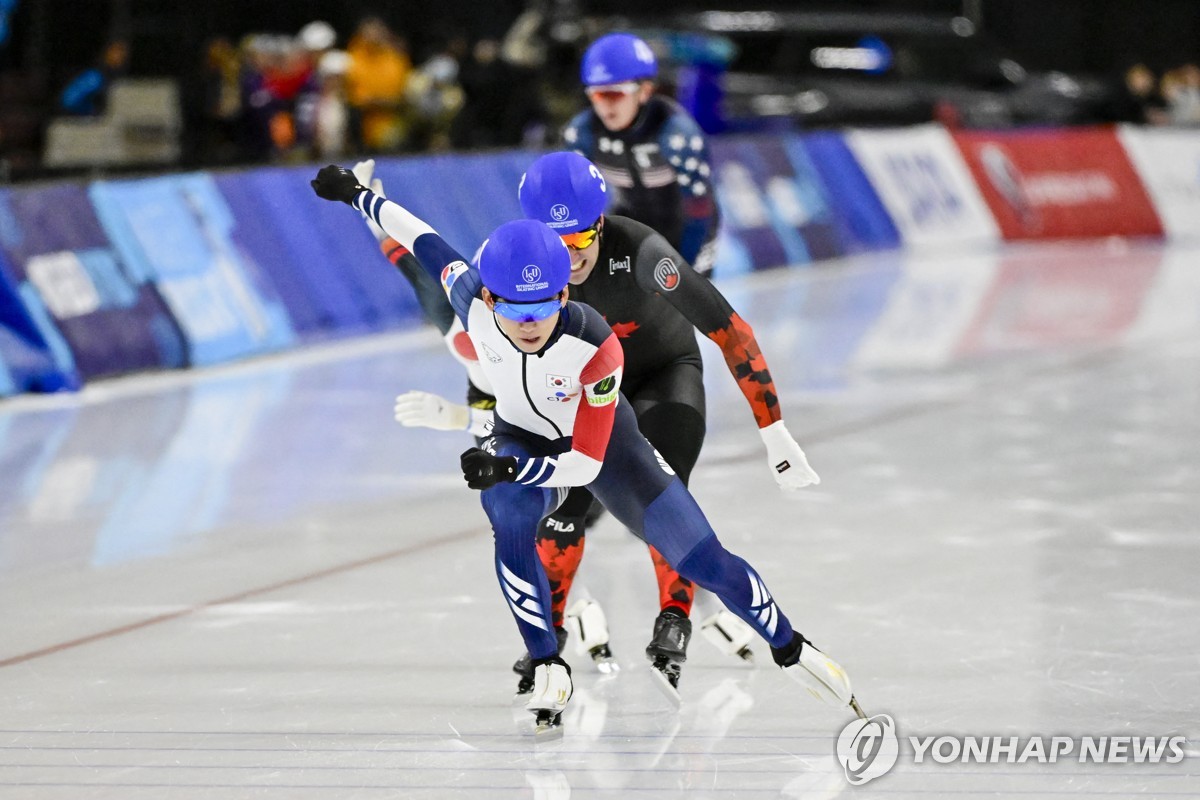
[
  {"x": 336, "y": 183},
  {"x": 482, "y": 470}
]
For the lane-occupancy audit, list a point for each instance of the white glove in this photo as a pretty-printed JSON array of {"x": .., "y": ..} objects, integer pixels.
[
  {"x": 786, "y": 459},
  {"x": 424, "y": 410},
  {"x": 364, "y": 170}
]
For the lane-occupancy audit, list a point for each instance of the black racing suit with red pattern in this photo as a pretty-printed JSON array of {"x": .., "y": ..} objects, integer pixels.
[{"x": 654, "y": 302}]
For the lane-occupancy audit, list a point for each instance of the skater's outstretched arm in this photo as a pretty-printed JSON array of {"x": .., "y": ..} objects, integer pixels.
[
  {"x": 660, "y": 269},
  {"x": 435, "y": 255}
]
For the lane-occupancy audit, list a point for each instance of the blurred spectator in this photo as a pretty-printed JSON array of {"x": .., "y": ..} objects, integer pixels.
[
  {"x": 1136, "y": 98},
  {"x": 87, "y": 93},
  {"x": 376, "y": 79},
  {"x": 257, "y": 103},
  {"x": 1181, "y": 90},
  {"x": 292, "y": 81},
  {"x": 312, "y": 43},
  {"x": 317, "y": 38},
  {"x": 212, "y": 106},
  {"x": 435, "y": 97},
  {"x": 331, "y": 117},
  {"x": 490, "y": 116},
  {"x": 278, "y": 82},
  {"x": 542, "y": 47}
]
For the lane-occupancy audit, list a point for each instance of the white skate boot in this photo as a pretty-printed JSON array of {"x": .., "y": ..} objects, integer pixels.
[
  {"x": 552, "y": 688},
  {"x": 819, "y": 674},
  {"x": 585, "y": 619},
  {"x": 729, "y": 634}
]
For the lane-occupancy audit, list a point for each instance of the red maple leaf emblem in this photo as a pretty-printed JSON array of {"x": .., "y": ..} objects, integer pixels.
[{"x": 624, "y": 330}]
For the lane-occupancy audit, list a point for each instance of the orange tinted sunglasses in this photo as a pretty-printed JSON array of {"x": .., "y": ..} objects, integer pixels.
[
  {"x": 612, "y": 92},
  {"x": 581, "y": 240}
]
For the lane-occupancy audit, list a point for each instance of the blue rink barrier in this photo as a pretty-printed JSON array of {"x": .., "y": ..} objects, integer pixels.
[
  {"x": 63, "y": 262},
  {"x": 194, "y": 269},
  {"x": 324, "y": 265},
  {"x": 862, "y": 221},
  {"x": 463, "y": 197},
  {"x": 175, "y": 232},
  {"x": 33, "y": 355},
  {"x": 792, "y": 199}
]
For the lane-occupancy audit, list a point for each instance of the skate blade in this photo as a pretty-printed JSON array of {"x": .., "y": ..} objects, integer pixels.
[
  {"x": 547, "y": 727},
  {"x": 746, "y": 655},
  {"x": 607, "y": 666},
  {"x": 857, "y": 708},
  {"x": 664, "y": 685}
]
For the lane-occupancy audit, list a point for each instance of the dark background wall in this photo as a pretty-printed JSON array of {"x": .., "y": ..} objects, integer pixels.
[{"x": 60, "y": 36}]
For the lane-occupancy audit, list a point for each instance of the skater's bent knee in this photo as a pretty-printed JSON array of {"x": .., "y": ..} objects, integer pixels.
[{"x": 705, "y": 562}]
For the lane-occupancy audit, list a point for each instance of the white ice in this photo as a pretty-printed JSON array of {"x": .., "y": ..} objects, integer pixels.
[{"x": 249, "y": 582}]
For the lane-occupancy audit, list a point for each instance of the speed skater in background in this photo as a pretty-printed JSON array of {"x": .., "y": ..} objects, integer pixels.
[{"x": 652, "y": 153}]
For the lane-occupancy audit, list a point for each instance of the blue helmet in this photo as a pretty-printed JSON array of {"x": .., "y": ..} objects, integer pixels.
[
  {"x": 565, "y": 191},
  {"x": 525, "y": 265},
  {"x": 617, "y": 58}
]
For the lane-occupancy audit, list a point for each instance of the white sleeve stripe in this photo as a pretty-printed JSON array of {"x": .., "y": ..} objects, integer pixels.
[
  {"x": 572, "y": 468},
  {"x": 544, "y": 462},
  {"x": 518, "y": 583},
  {"x": 529, "y": 604},
  {"x": 757, "y": 599},
  {"x": 528, "y": 465},
  {"x": 398, "y": 222},
  {"x": 376, "y": 202},
  {"x": 537, "y": 622}
]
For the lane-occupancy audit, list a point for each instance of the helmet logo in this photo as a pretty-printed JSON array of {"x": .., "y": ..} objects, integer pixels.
[
  {"x": 643, "y": 52},
  {"x": 531, "y": 274},
  {"x": 598, "y": 75},
  {"x": 559, "y": 212}
]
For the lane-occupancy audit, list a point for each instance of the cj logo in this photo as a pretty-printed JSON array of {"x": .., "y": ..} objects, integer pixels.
[
  {"x": 531, "y": 274},
  {"x": 559, "y": 212},
  {"x": 868, "y": 748}
]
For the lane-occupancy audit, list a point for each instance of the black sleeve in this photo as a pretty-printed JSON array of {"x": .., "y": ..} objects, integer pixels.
[{"x": 659, "y": 268}]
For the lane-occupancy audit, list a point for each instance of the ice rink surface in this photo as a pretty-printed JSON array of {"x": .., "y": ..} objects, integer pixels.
[{"x": 249, "y": 582}]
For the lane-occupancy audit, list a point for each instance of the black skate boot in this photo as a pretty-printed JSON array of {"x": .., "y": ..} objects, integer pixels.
[
  {"x": 524, "y": 665},
  {"x": 668, "y": 649}
]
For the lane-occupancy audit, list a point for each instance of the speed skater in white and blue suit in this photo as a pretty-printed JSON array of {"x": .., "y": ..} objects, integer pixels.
[{"x": 555, "y": 366}]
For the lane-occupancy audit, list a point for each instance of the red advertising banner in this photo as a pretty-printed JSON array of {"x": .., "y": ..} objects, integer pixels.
[{"x": 1050, "y": 184}]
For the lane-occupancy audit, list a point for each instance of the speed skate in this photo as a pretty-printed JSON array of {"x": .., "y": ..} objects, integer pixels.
[{"x": 552, "y": 689}]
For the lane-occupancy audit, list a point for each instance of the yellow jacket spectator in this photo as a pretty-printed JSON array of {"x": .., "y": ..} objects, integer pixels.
[{"x": 376, "y": 79}]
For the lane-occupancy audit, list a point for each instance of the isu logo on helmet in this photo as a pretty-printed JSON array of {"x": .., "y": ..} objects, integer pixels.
[
  {"x": 531, "y": 273},
  {"x": 563, "y": 190}
]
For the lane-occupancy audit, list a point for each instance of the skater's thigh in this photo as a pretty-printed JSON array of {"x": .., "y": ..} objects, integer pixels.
[
  {"x": 670, "y": 412},
  {"x": 632, "y": 475}
]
